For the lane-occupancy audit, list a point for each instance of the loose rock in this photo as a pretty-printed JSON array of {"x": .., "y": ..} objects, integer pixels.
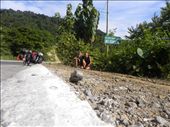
[
  {"x": 140, "y": 102},
  {"x": 137, "y": 125},
  {"x": 162, "y": 121},
  {"x": 76, "y": 76},
  {"x": 132, "y": 102}
]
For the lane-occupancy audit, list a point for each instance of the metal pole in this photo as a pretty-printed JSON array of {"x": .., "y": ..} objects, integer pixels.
[{"x": 107, "y": 13}]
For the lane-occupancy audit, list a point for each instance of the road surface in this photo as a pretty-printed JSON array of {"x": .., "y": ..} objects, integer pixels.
[
  {"x": 33, "y": 96},
  {"x": 10, "y": 68}
]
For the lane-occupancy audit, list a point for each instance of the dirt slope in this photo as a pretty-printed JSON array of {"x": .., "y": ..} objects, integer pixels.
[{"x": 123, "y": 100}]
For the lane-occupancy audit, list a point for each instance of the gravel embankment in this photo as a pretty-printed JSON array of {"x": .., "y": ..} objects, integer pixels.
[{"x": 124, "y": 101}]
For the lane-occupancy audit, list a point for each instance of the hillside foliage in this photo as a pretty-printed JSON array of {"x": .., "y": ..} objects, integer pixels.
[
  {"x": 145, "y": 52},
  {"x": 26, "y": 30}
]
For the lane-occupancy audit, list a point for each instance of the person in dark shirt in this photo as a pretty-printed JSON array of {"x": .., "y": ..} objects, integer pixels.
[
  {"x": 34, "y": 56},
  {"x": 80, "y": 60},
  {"x": 21, "y": 54},
  {"x": 28, "y": 57},
  {"x": 87, "y": 60}
]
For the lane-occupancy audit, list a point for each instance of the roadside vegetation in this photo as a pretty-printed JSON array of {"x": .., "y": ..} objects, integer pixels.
[{"x": 145, "y": 52}]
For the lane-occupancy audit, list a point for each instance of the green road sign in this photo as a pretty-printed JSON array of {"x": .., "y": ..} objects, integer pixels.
[{"x": 112, "y": 40}]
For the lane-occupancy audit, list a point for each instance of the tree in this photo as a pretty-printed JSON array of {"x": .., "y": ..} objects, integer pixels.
[
  {"x": 57, "y": 15},
  {"x": 69, "y": 19},
  {"x": 112, "y": 31},
  {"x": 86, "y": 21},
  {"x": 158, "y": 23},
  {"x": 165, "y": 18}
]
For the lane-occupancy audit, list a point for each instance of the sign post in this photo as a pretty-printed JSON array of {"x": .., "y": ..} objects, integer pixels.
[
  {"x": 107, "y": 19},
  {"x": 107, "y": 50},
  {"x": 111, "y": 40}
]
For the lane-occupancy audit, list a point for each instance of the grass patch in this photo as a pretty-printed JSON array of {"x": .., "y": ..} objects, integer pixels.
[{"x": 8, "y": 57}]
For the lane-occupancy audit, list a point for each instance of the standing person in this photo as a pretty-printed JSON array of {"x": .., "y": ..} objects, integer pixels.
[
  {"x": 28, "y": 57},
  {"x": 24, "y": 56},
  {"x": 40, "y": 57},
  {"x": 21, "y": 54},
  {"x": 34, "y": 55},
  {"x": 87, "y": 60}
]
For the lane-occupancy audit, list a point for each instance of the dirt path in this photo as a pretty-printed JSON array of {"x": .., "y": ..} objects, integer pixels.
[{"x": 123, "y": 100}]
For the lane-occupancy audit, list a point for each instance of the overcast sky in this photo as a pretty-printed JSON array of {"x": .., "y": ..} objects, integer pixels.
[{"x": 122, "y": 14}]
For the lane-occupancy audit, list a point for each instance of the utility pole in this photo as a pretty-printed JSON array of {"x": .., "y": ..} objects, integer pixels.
[
  {"x": 107, "y": 13},
  {"x": 107, "y": 18}
]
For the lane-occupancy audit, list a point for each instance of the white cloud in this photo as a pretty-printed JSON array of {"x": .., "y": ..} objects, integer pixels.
[
  {"x": 19, "y": 6},
  {"x": 122, "y": 14},
  {"x": 43, "y": 7},
  {"x": 126, "y": 14}
]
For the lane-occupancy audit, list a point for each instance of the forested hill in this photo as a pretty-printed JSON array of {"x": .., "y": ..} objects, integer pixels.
[
  {"x": 26, "y": 30},
  {"x": 11, "y": 18},
  {"x": 29, "y": 30}
]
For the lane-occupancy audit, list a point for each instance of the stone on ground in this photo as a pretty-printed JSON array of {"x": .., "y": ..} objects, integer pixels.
[{"x": 76, "y": 76}]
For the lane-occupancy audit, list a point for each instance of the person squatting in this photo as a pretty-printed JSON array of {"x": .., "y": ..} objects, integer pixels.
[{"x": 82, "y": 61}]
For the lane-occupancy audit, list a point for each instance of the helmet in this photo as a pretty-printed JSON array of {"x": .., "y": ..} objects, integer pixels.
[
  {"x": 40, "y": 53},
  {"x": 26, "y": 51}
]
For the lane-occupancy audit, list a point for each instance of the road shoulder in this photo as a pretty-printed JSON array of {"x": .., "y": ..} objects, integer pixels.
[{"x": 36, "y": 97}]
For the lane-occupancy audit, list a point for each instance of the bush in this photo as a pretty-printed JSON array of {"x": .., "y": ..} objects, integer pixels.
[
  {"x": 144, "y": 54},
  {"x": 67, "y": 48}
]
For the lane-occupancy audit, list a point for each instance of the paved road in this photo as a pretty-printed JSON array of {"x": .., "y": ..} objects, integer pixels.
[
  {"x": 9, "y": 68},
  {"x": 37, "y": 97}
]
